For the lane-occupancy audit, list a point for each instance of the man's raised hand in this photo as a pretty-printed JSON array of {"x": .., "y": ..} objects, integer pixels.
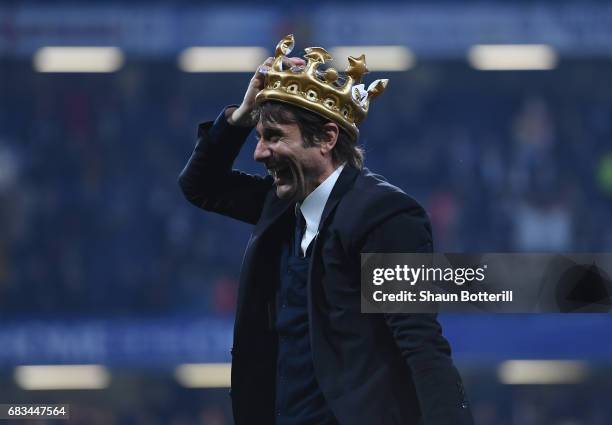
[{"x": 242, "y": 115}]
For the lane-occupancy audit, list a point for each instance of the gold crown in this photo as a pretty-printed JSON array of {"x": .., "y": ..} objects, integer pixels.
[{"x": 344, "y": 102}]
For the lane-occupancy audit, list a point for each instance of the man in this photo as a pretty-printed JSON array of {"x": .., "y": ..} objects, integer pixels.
[{"x": 303, "y": 352}]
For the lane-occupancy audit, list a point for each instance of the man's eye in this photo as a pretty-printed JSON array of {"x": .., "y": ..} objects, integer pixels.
[{"x": 272, "y": 139}]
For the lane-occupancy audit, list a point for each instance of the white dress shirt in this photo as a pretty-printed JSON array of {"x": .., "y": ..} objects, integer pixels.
[{"x": 312, "y": 207}]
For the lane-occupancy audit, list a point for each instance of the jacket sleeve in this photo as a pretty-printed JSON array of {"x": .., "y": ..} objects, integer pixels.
[
  {"x": 419, "y": 336},
  {"x": 208, "y": 180}
]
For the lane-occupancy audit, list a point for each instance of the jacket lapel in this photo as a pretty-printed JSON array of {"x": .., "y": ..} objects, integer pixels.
[{"x": 345, "y": 181}]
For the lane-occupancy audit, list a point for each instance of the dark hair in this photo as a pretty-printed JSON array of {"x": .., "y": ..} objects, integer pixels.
[{"x": 311, "y": 128}]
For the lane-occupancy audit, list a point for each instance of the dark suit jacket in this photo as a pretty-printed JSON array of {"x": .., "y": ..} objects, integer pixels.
[{"x": 372, "y": 368}]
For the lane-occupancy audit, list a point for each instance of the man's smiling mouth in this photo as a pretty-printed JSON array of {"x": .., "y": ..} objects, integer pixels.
[{"x": 280, "y": 172}]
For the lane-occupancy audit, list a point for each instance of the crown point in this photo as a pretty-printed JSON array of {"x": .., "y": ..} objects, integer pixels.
[
  {"x": 356, "y": 68},
  {"x": 376, "y": 88},
  {"x": 285, "y": 46},
  {"x": 317, "y": 54}
]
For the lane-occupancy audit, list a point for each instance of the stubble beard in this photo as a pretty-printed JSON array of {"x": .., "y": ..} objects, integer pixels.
[{"x": 300, "y": 182}]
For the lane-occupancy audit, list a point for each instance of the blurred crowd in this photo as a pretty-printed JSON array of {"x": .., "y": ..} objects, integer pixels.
[{"x": 92, "y": 219}]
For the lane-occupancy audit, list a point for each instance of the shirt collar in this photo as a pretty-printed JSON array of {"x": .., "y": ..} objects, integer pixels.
[{"x": 312, "y": 207}]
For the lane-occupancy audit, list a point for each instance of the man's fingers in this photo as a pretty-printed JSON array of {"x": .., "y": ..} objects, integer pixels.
[
  {"x": 287, "y": 62},
  {"x": 263, "y": 69},
  {"x": 297, "y": 61},
  {"x": 293, "y": 61}
]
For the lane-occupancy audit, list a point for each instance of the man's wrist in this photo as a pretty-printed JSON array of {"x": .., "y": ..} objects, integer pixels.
[
  {"x": 228, "y": 113},
  {"x": 236, "y": 117}
]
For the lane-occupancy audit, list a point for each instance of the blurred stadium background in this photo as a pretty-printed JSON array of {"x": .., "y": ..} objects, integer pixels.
[{"x": 498, "y": 118}]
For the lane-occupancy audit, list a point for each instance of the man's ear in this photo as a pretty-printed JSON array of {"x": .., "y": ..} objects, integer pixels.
[{"x": 331, "y": 137}]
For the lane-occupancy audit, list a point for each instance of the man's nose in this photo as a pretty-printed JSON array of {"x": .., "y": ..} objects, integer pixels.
[{"x": 262, "y": 152}]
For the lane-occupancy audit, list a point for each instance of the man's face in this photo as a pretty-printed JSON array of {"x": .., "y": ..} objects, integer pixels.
[{"x": 295, "y": 168}]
